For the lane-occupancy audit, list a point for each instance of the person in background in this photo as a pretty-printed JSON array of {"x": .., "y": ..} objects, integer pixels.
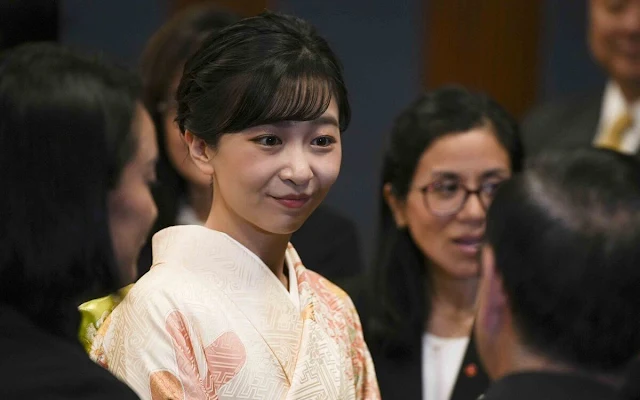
[
  {"x": 606, "y": 118},
  {"x": 448, "y": 153},
  {"x": 184, "y": 193},
  {"x": 227, "y": 309},
  {"x": 162, "y": 68},
  {"x": 77, "y": 155},
  {"x": 558, "y": 299}
]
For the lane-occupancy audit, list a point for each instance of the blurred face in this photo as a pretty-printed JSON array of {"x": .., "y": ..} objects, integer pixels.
[
  {"x": 177, "y": 149},
  {"x": 614, "y": 37},
  {"x": 450, "y": 240},
  {"x": 271, "y": 177},
  {"x": 132, "y": 210}
]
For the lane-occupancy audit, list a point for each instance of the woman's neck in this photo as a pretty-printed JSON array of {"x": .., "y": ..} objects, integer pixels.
[
  {"x": 200, "y": 198},
  {"x": 270, "y": 248},
  {"x": 452, "y": 304}
]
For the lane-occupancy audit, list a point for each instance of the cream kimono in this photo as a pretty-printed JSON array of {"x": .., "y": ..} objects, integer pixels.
[{"x": 211, "y": 321}]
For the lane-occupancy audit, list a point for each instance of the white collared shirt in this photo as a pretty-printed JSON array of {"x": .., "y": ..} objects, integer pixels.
[
  {"x": 613, "y": 105},
  {"x": 441, "y": 358}
]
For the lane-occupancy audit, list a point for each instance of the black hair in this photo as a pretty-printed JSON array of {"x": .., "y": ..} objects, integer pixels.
[
  {"x": 261, "y": 70},
  {"x": 65, "y": 135},
  {"x": 399, "y": 292},
  {"x": 566, "y": 237}
]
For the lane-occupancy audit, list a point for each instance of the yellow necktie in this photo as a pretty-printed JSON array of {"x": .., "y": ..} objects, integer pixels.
[{"x": 612, "y": 139}]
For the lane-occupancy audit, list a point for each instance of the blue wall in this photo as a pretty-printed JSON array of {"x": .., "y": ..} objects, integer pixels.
[
  {"x": 566, "y": 66},
  {"x": 106, "y": 26}
]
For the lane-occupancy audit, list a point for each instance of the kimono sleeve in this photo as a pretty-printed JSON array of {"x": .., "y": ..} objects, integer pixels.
[{"x": 148, "y": 342}]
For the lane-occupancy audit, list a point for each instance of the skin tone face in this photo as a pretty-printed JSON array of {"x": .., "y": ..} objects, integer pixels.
[
  {"x": 269, "y": 178},
  {"x": 614, "y": 38},
  {"x": 473, "y": 160},
  {"x": 132, "y": 210}
]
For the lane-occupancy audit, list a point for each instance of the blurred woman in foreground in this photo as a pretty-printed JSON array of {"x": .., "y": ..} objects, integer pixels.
[{"x": 77, "y": 158}]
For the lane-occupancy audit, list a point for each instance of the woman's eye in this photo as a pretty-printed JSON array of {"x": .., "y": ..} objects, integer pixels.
[
  {"x": 446, "y": 187},
  {"x": 323, "y": 141},
  {"x": 268, "y": 141}
]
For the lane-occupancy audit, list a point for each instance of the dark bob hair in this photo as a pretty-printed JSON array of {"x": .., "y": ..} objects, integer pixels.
[{"x": 65, "y": 135}]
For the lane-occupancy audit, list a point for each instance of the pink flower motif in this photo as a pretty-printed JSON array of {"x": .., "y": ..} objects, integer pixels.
[{"x": 225, "y": 357}]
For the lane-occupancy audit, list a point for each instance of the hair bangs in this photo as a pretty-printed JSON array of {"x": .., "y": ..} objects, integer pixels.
[
  {"x": 262, "y": 70},
  {"x": 296, "y": 95},
  {"x": 303, "y": 99}
]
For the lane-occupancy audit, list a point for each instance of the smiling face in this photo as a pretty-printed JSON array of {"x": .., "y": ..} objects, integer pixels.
[
  {"x": 614, "y": 37},
  {"x": 271, "y": 177},
  {"x": 472, "y": 160}
]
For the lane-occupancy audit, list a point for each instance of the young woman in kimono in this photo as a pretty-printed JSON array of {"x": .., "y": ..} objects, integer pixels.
[
  {"x": 447, "y": 154},
  {"x": 184, "y": 193},
  {"x": 228, "y": 311}
]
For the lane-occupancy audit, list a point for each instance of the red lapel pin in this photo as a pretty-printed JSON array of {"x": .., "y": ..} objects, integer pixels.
[{"x": 471, "y": 370}]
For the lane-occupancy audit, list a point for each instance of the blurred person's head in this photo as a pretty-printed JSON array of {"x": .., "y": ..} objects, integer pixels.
[
  {"x": 78, "y": 155},
  {"x": 559, "y": 286},
  {"x": 262, "y": 106},
  {"x": 132, "y": 210},
  {"x": 161, "y": 67},
  {"x": 614, "y": 38},
  {"x": 447, "y": 154}
]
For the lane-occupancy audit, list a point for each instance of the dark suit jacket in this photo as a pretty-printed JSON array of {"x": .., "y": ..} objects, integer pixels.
[
  {"x": 549, "y": 386},
  {"x": 35, "y": 364},
  {"x": 563, "y": 124},
  {"x": 631, "y": 387},
  {"x": 400, "y": 376},
  {"x": 327, "y": 244}
]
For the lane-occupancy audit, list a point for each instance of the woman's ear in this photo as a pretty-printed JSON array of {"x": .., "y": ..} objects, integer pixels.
[
  {"x": 396, "y": 205},
  {"x": 200, "y": 152}
]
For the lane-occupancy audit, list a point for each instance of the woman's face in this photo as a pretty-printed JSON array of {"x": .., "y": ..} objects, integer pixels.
[
  {"x": 271, "y": 177},
  {"x": 132, "y": 210},
  {"x": 472, "y": 160},
  {"x": 177, "y": 149}
]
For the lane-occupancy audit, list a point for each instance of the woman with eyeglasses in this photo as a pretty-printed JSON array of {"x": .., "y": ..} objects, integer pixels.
[{"x": 448, "y": 153}]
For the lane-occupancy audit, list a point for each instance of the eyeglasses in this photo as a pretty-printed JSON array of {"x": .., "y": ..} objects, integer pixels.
[{"x": 447, "y": 197}]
